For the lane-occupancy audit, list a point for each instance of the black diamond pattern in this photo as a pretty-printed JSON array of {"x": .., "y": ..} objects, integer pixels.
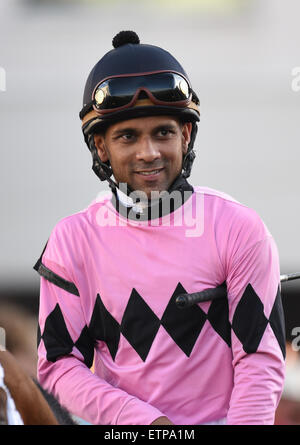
[
  {"x": 104, "y": 327},
  {"x": 218, "y": 316},
  {"x": 139, "y": 325},
  {"x": 39, "y": 335},
  {"x": 184, "y": 326},
  {"x": 249, "y": 321},
  {"x": 56, "y": 337},
  {"x": 85, "y": 344},
  {"x": 139, "y": 330},
  {"x": 277, "y": 322}
]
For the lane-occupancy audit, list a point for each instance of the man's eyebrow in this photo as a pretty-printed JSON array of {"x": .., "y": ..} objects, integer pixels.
[
  {"x": 164, "y": 126},
  {"x": 132, "y": 130},
  {"x": 124, "y": 131}
]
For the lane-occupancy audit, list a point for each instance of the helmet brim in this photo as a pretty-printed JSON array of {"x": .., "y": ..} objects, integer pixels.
[{"x": 94, "y": 123}]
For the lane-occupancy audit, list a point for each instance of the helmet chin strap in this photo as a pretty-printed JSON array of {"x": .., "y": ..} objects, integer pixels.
[
  {"x": 100, "y": 168},
  {"x": 190, "y": 155}
]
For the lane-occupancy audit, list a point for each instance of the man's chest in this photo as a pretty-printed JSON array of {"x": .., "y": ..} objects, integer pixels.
[{"x": 133, "y": 286}]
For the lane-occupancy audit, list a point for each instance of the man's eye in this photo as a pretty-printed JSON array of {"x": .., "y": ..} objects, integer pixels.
[
  {"x": 127, "y": 136},
  {"x": 164, "y": 132}
]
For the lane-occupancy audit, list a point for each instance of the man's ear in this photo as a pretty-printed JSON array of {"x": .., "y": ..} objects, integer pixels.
[
  {"x": 186, "y": 135},
  {"x": 101, "y": 147}
]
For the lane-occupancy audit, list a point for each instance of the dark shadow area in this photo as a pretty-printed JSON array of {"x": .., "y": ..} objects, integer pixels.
[{"x": 291, "y": 305}]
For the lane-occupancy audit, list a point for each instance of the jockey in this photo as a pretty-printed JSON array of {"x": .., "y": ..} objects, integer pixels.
[{"x": 114, "y": 347}]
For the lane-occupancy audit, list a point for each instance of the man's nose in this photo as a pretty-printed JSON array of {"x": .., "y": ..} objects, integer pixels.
[{"x": 147, "y": 150}]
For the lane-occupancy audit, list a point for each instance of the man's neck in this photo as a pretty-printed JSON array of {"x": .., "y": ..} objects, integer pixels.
[{"x": 128, "y": 204}]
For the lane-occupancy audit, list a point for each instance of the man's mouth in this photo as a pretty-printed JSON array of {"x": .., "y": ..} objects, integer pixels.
[{"x": 150, "y": 173}]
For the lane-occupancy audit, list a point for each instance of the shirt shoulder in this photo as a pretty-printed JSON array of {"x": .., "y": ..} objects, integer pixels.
[
  {"x": 72, "y": 232},
  {"x": 208, "y": 191},
  {"x": 233, "y": 217}
]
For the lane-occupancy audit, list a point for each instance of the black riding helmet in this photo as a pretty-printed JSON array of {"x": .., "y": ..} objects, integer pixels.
[{"x": 130, "y": 59}]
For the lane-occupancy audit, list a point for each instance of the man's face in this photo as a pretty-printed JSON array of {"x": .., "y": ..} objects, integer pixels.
[{"x": 145, "y": 153}]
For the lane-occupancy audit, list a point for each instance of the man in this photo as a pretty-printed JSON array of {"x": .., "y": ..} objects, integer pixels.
[{"x": 111, "y": 274}]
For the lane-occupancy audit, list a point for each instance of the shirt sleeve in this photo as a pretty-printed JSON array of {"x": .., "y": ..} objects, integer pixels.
[
  {"x": 65, "y": 352},
  {"x": 257, "y": 320}
]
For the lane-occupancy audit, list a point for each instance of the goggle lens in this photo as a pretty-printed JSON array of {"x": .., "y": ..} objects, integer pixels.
[{"x": 118, "y": 92}]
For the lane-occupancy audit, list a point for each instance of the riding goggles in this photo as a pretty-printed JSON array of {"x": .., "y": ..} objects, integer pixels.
[{"x": 121, "y": 92}]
